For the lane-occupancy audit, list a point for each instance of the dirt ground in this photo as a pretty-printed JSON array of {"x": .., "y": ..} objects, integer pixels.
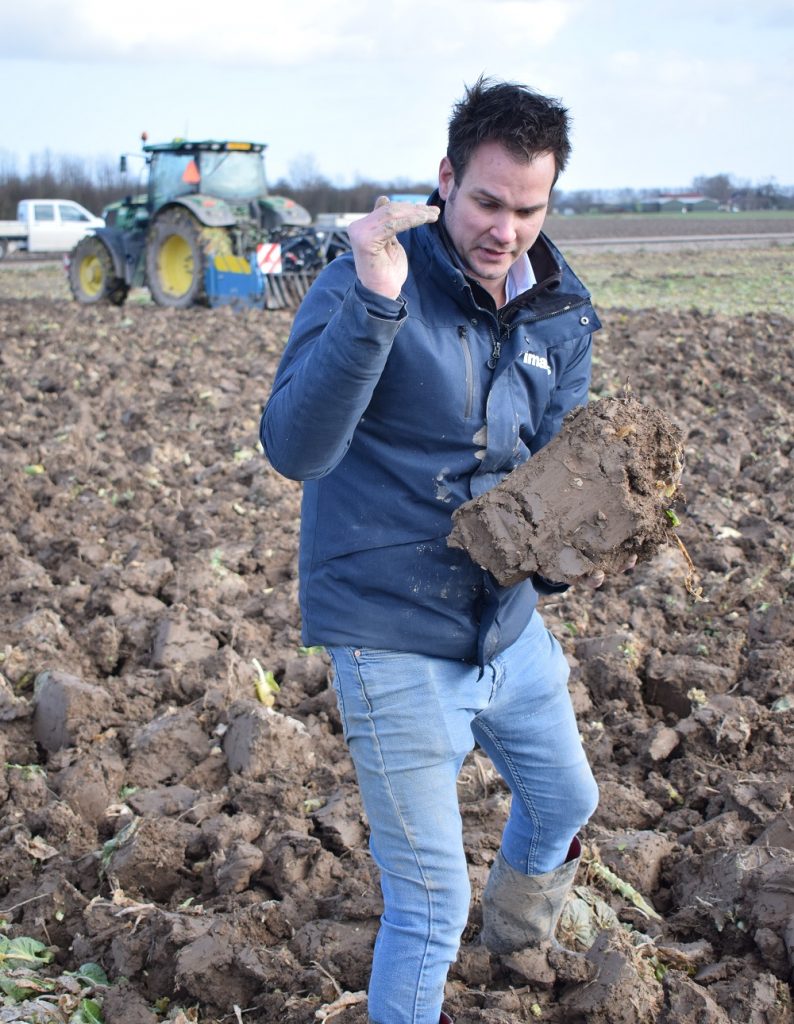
[{"x": 209, "y": 851}]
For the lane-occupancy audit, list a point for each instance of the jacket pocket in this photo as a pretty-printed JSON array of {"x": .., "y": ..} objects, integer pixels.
[{"x": 468, "y": 362}]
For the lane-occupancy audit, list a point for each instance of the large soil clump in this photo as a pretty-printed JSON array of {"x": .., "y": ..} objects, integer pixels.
[{"x": 594, "y": 497}]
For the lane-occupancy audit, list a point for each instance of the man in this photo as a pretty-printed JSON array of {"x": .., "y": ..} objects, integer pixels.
[{"x": 421, "y": 369}]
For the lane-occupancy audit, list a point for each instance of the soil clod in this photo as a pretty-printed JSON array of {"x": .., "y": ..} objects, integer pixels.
[{"x": 594, "y": 497}]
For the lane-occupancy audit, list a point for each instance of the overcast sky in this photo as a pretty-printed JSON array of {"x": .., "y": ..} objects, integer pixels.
[{"x": 659, "y": 92}]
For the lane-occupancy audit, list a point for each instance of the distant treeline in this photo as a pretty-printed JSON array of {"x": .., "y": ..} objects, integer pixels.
[
  {"x": 727, "y": 193},
  {"x": 95, "y": 184},
  {"x": 322, "y": 196}
]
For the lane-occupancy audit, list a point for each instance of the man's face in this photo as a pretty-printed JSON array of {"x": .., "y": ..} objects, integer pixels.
[{"x": 495, "y": 212}]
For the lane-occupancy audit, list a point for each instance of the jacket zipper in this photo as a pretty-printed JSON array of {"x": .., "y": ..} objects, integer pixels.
[
  {"x": 496, "y": 351},
  {"x": 463, "y": 335},
  {"x": 556, "y": 312}
]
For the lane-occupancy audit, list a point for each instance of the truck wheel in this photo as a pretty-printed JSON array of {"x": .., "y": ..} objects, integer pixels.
[
  {"x": 175, "y": 260},
  {"x": 91, "y": 274}
]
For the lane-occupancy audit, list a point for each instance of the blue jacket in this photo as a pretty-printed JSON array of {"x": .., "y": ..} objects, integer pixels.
[{"x": 396, "y": 412}]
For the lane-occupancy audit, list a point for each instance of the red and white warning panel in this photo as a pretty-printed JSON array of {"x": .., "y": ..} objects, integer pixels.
[{"x": 268, "y": 257}]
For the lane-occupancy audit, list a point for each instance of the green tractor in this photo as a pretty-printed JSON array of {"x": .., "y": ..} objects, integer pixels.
[{"x": 206, "y": 233}]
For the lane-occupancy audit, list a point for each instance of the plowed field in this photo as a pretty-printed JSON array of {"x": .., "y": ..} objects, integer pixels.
[{"x": 208, "y": 851}]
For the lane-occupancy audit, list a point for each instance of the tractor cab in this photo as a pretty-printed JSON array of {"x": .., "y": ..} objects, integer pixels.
[{"x": 232, "y": 171}]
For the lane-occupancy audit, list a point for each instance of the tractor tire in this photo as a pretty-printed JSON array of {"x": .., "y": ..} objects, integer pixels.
[
  {"x": 176, "y": 261},
  {"x": 92, "y": 276}
]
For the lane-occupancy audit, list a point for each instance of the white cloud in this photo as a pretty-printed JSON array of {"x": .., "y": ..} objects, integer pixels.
[
  {"x": 658, "y": 93},
  {"x": 659, "y": 117},
  {"x": 681, "y": 82},
  {"x": 257, "y": 34},
  {"x": 516, "y": 23},
  {"x": 183, "y": 30}
]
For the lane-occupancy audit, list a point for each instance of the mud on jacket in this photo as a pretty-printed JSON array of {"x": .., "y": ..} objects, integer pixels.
[{"x": 393, "y": 413}]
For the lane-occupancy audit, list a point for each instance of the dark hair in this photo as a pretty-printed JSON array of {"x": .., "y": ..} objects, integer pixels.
[{"x": 524, "y": 121}]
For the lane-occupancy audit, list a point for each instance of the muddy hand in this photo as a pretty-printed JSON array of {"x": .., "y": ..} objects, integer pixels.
[
  {"x": 381, "y": 263},
  {"x": 597, "y": 577}
]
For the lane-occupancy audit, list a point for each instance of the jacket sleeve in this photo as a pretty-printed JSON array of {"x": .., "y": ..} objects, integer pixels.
[
  {"x": 338, "y": 347},
  {"x": 571, "y": 390}
]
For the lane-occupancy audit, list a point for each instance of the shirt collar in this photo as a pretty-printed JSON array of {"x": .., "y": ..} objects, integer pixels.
[{"x": 520, "y": 278}]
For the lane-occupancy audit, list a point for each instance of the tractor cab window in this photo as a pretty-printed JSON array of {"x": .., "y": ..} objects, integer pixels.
[
  {"x": 171, "y": 175},
  {"x": 233, "y": 175}
]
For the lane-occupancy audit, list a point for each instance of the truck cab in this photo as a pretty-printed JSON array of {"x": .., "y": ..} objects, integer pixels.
[{"x": 55, "y": 225}]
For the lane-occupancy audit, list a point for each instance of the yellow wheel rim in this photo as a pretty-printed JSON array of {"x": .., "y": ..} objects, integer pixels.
[
  {"x": 175, "y": 266},
  {"x": 92, "y": 276}
]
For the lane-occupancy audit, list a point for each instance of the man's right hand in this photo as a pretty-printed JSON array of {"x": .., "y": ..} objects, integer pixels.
[{"x": 381, "y": 263}]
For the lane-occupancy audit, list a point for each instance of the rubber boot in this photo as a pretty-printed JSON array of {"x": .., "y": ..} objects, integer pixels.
[
  {"x": 523, "y": 910},
  {"x": 445, "y": 1018}
]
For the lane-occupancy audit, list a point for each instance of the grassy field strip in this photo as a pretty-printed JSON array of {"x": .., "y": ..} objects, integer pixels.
[
  {"x": 728, "y": 280},
  {"x": 731, "y": 281},
  {"x": 676, "y": 241}
]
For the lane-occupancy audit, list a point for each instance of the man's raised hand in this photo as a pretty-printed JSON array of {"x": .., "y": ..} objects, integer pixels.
[{"x": 381, "y": 263}]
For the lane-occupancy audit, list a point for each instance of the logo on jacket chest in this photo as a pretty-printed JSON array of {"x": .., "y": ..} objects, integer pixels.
[{"x": 541, "y": 362}]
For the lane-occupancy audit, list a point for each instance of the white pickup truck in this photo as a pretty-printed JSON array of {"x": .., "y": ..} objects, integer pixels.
[{"x": 47, "y": 225}]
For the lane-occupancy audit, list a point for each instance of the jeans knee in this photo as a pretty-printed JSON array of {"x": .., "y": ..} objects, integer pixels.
[
  {"x": 459, "y": 913},
  {"x": 449, "y": 903},
  {"x": 434, "y": 900},
  {"x": 577, "y": 799},
  {"x": 583, "y": 801}
]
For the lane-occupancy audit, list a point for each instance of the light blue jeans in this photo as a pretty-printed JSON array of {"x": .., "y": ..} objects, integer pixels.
[{"x": 409, "y": 722}]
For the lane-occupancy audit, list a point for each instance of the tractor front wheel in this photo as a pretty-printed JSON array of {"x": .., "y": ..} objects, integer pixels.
[
  {"x": 175, "y": 260},
  {"x": 92, "y": 277}
]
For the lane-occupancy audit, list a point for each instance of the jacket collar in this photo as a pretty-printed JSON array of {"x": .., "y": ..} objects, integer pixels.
[{"x": 546, "y": 265}]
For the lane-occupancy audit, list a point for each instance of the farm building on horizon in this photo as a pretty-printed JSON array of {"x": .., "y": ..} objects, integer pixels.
[{"x": 678, "y": 202}]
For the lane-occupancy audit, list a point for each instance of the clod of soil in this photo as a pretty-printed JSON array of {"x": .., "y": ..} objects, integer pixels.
[{"x": 592, "y": 498}]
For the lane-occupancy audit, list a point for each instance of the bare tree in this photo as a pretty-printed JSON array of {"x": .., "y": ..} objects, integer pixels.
[{"x": 716, "y": 186}]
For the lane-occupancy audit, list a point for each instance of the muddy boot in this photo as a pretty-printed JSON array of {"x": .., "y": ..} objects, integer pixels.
[
  {"x": 443, "y": 1019},
  {"x": 522, "y": 910}
]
